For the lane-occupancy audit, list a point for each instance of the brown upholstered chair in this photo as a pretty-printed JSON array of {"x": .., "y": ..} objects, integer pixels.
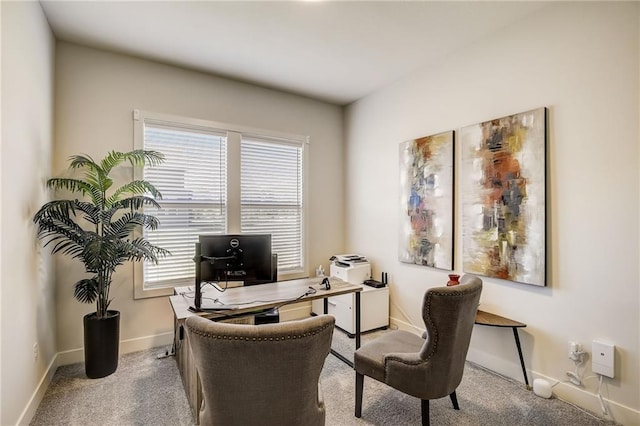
[
  {"x": 261, "y": 374},
  {"x": 430, "y": 367}
]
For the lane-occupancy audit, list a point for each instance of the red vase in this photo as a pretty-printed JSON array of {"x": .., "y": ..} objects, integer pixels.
[{"x": 454, "y": 279}]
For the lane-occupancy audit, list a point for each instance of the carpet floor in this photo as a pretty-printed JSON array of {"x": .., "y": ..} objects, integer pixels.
[{"x": 147, "y": 390}]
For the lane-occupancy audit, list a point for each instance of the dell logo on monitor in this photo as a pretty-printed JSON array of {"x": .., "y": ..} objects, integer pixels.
[{"x": 234, "y": 243}]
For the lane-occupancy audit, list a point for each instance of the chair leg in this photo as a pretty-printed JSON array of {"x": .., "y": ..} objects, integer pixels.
[
  {"x": 424, "y": 405},
  {"x": 454, "y": 400},
  {"x": 359, "y": 386}
]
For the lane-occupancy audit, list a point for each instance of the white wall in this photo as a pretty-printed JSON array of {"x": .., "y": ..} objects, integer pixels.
[
  {"x": 96, "y": 93},
  {"x": 27, "y": 314},
  {"x": 581, "y": 61}
]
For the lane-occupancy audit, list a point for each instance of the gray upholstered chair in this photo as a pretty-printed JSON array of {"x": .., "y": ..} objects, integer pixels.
[
  {"x": 261, "y": 374},
  {"x": 430, "y": 367}
]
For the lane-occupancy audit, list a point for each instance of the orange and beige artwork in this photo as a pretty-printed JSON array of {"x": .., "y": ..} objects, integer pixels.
[{"x": 502, "y": 187}]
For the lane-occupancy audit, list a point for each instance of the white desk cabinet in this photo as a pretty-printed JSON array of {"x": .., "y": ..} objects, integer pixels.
[{"x": 374, "y": 307}]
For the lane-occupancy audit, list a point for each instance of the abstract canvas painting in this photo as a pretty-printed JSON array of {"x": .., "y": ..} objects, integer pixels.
[
  {"x": 426, "y": 201},
  {"x": 503, "y": 196}
]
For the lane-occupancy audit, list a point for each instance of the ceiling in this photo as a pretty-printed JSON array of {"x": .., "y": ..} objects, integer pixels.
[{"x": 335, "y": 51}]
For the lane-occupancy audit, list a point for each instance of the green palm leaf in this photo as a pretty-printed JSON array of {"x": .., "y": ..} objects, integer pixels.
[
  {"x": 59, "y": 208},
  {"x": 141, "y": 249},
  {"x": 136, "y": 158},
  {"x": 94, "y": 174},
  {"x": 91, "y": 212},
  {"x": 124, "y": 226},
  {"x": 68, "y": 247},
  {"x": 99, "y": 231},
  {"x": 136, "y": 187},
  {"x": 77, "y": 185},
  {"x": 136, "y": 202},
  {"x": 86, "y": 290}
]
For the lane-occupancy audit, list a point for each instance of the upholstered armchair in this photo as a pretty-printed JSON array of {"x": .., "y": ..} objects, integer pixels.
[
  {"x": 430, "y": 367},
  {"x": 261, "y": 374}
]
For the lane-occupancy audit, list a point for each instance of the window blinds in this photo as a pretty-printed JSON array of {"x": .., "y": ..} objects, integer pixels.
[
  {"x": 216, "y": 181},
  {"x": 271, "y": 196},
  {"x": 193, "y": 183}
]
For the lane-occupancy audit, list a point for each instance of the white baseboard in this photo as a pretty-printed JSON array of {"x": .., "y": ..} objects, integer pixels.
[
  {"x": 397, "y": 324},
  {"x": 30, "y": 410},
  {"x": 589, "y": 402},
  {"x": 147, "y": 342},
  {"x": 126, "y": 346},
  {"x": 567, "y": 392}
]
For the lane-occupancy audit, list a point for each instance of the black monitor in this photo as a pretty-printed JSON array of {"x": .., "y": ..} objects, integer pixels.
[{"x": 222, "y": 258}]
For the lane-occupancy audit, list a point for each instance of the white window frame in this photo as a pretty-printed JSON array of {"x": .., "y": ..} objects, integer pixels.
[{"x": 234, "y": 137}]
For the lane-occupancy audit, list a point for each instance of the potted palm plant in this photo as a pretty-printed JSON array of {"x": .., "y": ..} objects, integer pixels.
[{"x": 100, "y": 231}]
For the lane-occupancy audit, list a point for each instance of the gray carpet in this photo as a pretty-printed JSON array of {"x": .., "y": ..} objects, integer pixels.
[{"x": 146, "y": 390}]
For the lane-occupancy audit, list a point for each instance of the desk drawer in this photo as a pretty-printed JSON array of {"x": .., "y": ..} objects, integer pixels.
[
  {"x": 374, "y": 303},
  {"x": 341, "y": 308}
]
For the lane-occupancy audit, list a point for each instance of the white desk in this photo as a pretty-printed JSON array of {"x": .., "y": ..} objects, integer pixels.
[{"x": 247, "y": 301}]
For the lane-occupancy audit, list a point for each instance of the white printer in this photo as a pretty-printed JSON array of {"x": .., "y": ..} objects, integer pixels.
[
  {"x": 351, "y": 268},
  {"x": 374, "y": 302}
]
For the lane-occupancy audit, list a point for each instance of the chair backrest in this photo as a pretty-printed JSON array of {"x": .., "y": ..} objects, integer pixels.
[
  {"x": 267, "y": 374},
  {"x": 449, "y": 314}
]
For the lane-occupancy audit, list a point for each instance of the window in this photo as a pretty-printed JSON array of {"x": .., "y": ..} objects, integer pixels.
[
  {"x": 219, "y": 179},
  {"x": 271, "y": 197}
]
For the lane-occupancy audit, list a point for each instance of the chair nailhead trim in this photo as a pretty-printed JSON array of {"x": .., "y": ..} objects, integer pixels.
[
  {"x": 260, "y": 339},
  {"x": 427, "y": 309}
]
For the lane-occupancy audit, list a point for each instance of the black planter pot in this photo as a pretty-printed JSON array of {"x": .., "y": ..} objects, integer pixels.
[{"x": 101, "y": 344}]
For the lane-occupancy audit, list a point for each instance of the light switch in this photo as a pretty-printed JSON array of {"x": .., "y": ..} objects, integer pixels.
[{"x": 602, "y": 361}]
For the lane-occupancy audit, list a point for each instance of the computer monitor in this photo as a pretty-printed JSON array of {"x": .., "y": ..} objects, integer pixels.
[{"x": 223, "y": 258}]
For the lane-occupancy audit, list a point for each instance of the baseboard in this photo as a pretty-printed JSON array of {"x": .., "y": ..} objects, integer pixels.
[
  {"x": 565, "y": 391},
  {"x": 73, "y": 356},
  {"x": 589, "y": 402},
  {"x": 35, "y": 400},
  {"x": 508, "y": 367},
  {"x": 397, "y": 324},
  {"x": 126, "y": 346}
]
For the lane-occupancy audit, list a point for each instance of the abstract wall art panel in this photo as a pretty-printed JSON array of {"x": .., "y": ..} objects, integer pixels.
[
  {"x": 503, "y": 195},
  {"x": 426, "y": 201}
]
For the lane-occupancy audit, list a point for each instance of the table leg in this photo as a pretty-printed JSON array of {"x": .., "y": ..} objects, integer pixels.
[
  {"x": 358, "y": 320},
  {"x": 524, "y": 370}
]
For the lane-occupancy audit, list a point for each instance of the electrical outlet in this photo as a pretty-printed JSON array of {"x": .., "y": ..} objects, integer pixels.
[
  {"x": 602, "y": 361},
  {"x": 35, "y": 351},
  {"x": 575, "y": 351}
]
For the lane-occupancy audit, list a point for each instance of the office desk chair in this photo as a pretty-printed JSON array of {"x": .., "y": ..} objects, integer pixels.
[
  {"x": 430, "y": 367},
  {"x": 267, "y": 374}
]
